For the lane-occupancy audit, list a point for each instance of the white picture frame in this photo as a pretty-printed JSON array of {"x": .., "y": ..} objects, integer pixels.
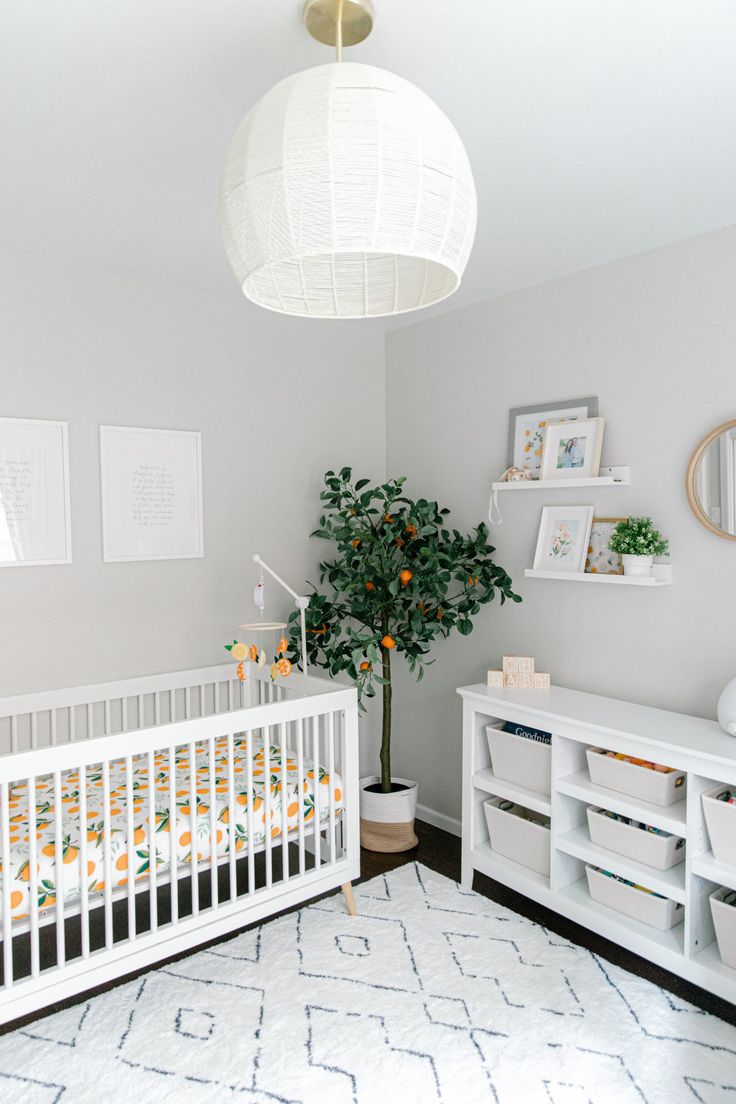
[
  {"x": 562, "y": 543},
  {"x": 572, "y": 450},
  {"x": 527, "y": 425},
  {"x": 151, "y": 492},
  {"x": 35, "y": 511}
]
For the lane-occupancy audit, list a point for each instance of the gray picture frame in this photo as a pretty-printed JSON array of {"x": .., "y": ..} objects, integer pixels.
[{"x": 516, "y": 411}]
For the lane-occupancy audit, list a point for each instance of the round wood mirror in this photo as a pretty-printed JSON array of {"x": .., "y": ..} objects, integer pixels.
[{"x": 711, "y": 481}]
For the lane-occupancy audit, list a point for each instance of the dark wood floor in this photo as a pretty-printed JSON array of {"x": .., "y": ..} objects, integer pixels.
[{"x": 440, "y": 852}]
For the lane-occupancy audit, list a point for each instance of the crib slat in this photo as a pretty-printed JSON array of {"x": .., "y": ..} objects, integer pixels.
[
  {"x": 90, "y": 720},
  {"x": 54, "y": 727},
  {"x": 284, "y": 805},
  {"x": 107, "y": 717},
  {"x": 7, "y": 886},
  {"x": 141, "y": 712},
  {"x": 83, "y": 875},
  {"x": 315, "y": 786},
  {"x": 72, "y": 724},
  {"x": 59, "y": 872},
  {"x": 213, "y": 820},
  {"x": 33, "y": 883},
  {"x": 157, "y": 707},
  {"x": 34, "y": 731},
  {"x": 130, "y": 842},
  {"x": 300, "y": 789},
  {"x": 193, "y": 828},
  {"x": 230, "y": 696},
  {"x": 267, "y": 798},
  {"x": 187, "y": 702},
  {"x": 231, "y": 813},
  {"x": 217, "y": 696},
  {"x": 152, "y": 849},
  {"x": 250, "y": 820},
  {"x": 124, "y": 713},
  {"x": 202, "y": 701},
  {"x": 172, "y": 705},
  {"x": 13, "y": 734},
  {"x": 106, "y": 851},
  {"x": 173, "y": 838},
  {"x": 331, "y": 780}
]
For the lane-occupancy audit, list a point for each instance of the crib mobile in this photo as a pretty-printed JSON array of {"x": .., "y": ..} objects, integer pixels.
[{"x": 256, "y": 652}]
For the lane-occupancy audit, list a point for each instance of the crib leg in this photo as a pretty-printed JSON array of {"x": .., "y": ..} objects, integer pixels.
[{"x": 347, "y": 892}]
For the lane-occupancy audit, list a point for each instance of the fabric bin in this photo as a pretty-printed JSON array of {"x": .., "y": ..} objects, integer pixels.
[
  {"x": 659, "y": 852},
  {"x": 724, "y": 921},
  {"x": 720, "y": 817},
  {"x": 515, "y": 759},
  {"x": 657, "y": 912},
  {"x": 627, "y": 778},
  {"x": 518, "y": 834}
]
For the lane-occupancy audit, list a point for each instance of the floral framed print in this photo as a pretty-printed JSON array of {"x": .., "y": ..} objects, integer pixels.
[
  {"x": 572, "y": 450},
  {"x": 564, "y": 533},
  {"x": 527, "y": 425},
  {"x": 600, "y": 560}
]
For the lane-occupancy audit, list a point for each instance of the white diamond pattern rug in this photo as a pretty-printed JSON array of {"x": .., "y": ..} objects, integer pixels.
[{"x": 430, "y": 994}]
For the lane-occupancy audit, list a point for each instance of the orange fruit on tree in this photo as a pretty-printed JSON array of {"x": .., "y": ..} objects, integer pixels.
[
  {"x": 388, "y": 642},
  {"x": 365, "y": 665},
  {"x": 388, "y": 517},
  {"x": 406, "y": 577},
  {"x": 370, "y": 586},
  {"x": 411, "y": 531}
]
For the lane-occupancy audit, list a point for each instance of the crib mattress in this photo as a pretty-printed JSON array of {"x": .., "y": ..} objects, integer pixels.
[{"x": 158, "y": 841}]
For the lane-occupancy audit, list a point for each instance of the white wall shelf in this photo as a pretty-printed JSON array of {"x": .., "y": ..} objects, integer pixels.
[
  {"x": 589, "y": 577},
  {"x": 610, "y": 477},
  {"x": 691, "y": 745}
]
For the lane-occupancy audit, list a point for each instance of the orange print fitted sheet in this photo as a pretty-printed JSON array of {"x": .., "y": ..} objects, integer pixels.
[{"x": 48, "y": 868}]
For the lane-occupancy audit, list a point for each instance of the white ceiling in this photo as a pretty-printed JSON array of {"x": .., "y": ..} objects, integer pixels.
[{"x": 595, "y": 129}]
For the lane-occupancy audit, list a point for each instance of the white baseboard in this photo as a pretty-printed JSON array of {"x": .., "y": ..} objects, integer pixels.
[{"x": 439, "y": 820}]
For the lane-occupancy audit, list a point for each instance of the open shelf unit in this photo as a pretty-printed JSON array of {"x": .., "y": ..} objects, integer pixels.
[
  {"x": 698, "y": 748},
  {"x": 610, "y": 477}
]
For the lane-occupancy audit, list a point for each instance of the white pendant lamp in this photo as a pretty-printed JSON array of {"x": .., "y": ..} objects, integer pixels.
[{"x": 346, "y": 192}]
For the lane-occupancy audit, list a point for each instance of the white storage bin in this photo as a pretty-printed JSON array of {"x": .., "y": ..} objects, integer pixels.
[
  {"x": 657, "y": 912},
  {"x": 628, "y": 778},
  {"x": 724, "y": 921},
  {"x": 659, "y": 852},
  {"x": 720, "y": 818},
  {"x": 516, "y": 759},
  {"x": 518, "y": 834}
]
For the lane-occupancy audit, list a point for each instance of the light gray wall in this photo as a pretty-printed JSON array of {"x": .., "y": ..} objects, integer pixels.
[
  {"x": 278, "y": 401},
  {"x": 654, "y": 337}
]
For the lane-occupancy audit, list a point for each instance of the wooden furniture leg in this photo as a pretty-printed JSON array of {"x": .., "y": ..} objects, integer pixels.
[{"x": 347, "y": 892}]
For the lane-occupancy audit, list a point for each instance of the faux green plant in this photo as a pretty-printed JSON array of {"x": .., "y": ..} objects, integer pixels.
[
  {"x": 398, "y": 578},
  {"x": 637, "y": 536}
]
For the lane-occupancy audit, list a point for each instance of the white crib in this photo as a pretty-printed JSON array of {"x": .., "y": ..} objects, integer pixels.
[{"x": 144, "y": 729}]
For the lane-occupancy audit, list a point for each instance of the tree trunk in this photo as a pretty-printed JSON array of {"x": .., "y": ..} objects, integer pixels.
[{"x": 386, "y": 730}]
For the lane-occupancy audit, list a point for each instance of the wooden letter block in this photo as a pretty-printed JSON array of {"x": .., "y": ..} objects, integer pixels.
[
  {"x": 541, "y": 682},
  {"x": 495, "y": 678},
  {"x": 511, "y": 665},
  {"x": 512, "y": 681},
  {"x": 526, "y": 665},
  {"x": 526, "y": 681}
]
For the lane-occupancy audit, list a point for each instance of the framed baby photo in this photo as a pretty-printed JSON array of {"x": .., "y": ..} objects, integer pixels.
[
  {"x": 572, "y": 450},
  {"x": 600, "y": 559},
  {"x": 562, "y": 544},
  {"x": 527, "y": 425}
]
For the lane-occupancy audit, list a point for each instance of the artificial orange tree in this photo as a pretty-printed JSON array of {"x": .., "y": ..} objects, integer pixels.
[{"x": 398, "y": 578}]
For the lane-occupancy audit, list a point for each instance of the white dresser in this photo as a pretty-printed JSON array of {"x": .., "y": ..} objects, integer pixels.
[{"x": 696, "y": 747}]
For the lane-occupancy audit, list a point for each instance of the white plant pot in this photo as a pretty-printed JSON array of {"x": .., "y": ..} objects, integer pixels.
[
  {"x": 637, "y": 565},
  {"x": 727, "y": 709},
  {"x": 387, "y": 820}
]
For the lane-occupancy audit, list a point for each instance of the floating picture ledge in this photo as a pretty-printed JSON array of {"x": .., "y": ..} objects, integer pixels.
[
  {"x": 589, "y": 577},
  {"x": 609, "y": 477}
]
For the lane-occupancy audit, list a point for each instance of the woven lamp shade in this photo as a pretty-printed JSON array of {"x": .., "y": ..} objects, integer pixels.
[{"x": 347, "y": 193}]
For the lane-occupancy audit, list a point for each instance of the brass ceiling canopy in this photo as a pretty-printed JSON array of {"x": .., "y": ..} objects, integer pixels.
[{"x": 325, "y": 18}]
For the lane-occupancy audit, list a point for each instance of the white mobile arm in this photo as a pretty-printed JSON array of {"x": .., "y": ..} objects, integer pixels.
[{"x": 301, "y": 605}]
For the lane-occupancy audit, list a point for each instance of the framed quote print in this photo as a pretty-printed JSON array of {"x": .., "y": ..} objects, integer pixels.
[
  {"x": 151, "y": 482},
  {"x": 35, "y": 525}
]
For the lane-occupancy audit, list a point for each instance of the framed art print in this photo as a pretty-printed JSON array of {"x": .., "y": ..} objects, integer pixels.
[
  {"x": 35, "y": 523},
  {"x": 527, "y": 425},
  {"x": 600, "y": 560},
  {"x": 562, "y": 543},
  {"x": 151, "y": 483},
  {"x": 572, "y": 450}
]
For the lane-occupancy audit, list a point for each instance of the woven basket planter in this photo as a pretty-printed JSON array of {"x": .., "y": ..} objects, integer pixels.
[{"x": 387, "y": 820}]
